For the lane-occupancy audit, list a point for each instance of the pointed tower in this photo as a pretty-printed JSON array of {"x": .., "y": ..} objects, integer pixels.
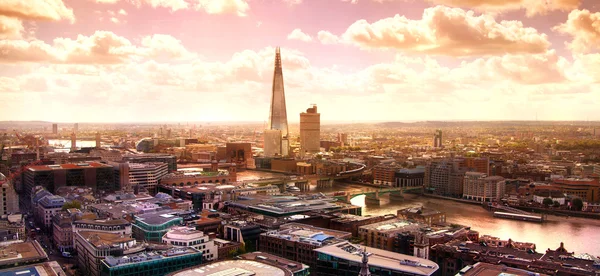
[
  {"x": 364, "y": 266},
  {"x": 278, "y": 115}
]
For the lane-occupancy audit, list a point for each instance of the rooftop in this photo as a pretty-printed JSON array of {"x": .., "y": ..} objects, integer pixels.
[
  {"x": 308, "y": 234},
  {"x": 345, "y": 218},
  {"x": 157, "y": 218},
  {"x": 84, "y": 165},
  {"x": 485, "y": 269},
  {"x": 393, "y": 225},
  {"x": 103, "y": 239},
  {"x": 234, "y": 267},
  {"x": 381, "y": 258},
  {"x": 43, "y": 269},
  {"x": 21, "y": 252},
  {"x": 112, "y": 261},
  {"x": 103, "y": 221},
  {"x": 275, "y": 260}
]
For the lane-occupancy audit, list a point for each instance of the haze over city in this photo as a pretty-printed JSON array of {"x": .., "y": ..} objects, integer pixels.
[{"x": 183, "y": 60}]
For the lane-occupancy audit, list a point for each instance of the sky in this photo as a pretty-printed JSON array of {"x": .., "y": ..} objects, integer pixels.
[{"x": 358, "y": 60}]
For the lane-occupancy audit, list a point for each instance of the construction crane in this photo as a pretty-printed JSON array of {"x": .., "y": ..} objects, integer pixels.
[{"x": 22, "y": 169}]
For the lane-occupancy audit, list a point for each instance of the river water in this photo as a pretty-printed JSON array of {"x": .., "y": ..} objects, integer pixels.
[{"x": 579, "y": 235}]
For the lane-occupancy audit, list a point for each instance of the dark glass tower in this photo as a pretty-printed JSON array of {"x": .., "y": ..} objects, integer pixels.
[{"x": 278, "y": 116}]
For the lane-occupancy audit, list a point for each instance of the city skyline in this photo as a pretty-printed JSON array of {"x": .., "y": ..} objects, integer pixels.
[{"x": 196, "y": 60}]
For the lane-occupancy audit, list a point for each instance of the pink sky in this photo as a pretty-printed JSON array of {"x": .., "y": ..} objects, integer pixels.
[{"x": 212, "y": 60}]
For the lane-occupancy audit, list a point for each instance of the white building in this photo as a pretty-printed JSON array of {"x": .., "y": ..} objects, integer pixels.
[
  {"x": 146, "y": 175},
  {"x": 554, "y": 195},
  {"x": 190, "y": 237},
  {"x": 480, "y": 187},
  {"x": 46, "y": 208}
]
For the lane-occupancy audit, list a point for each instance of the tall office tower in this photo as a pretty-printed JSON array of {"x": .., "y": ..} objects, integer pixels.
[
  {"x": 437, "y": 138},
  {"x": 76, "y": 127},
  {"x": 169, "y": 133},
  {"x": 310, "y": 131},
  {"x": 73, "y": 142},
  {"x": 278, "y": 115},
  {"x": 343, "y": 139},
  {"x": 54, "y": 128},
  {"x": 98, "y": 140}
]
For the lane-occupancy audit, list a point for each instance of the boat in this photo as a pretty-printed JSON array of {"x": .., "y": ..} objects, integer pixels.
[{"x": 293, "y": 189}]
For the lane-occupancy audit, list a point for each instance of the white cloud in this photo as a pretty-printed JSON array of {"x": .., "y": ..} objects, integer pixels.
[
  {"x": 584, "y": 27},
  {"x": 53, "y": 10},
  {"x": 10, "y": 27},
  {"x": 297, "y": 34},
  {"x": 327, "y": 38},
  {"x": 237, "y": 7}
]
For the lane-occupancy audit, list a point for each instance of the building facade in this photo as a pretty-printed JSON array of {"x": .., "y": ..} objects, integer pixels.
[
  {"x": 46, "y": 208},
  {"x": 480, "y": 187},
  {"x": 190, "y": 237},
  {"x": 410, "y": 177},
  {"x": 310, "y": 131},
  {"x": 153, "y": 226},
  {"x": 146, "y": 175},
  {"x": 10, "y": 198}
]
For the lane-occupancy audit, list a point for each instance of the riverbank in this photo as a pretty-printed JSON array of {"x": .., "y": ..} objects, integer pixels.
[
  {"x": 559, "y": 213},
  {"x": 453, "y": 199}
]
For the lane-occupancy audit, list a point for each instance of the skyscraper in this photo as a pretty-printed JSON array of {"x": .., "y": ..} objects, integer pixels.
[
  {"x": 437, "y": 139},
  {"x": 278, "y": 114},
  {"x": 54, "y": 128},
  {"x": 310, "y": 131}
]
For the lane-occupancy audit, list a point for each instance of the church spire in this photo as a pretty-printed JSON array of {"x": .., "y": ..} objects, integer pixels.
[{"x": 364, "y": 266}]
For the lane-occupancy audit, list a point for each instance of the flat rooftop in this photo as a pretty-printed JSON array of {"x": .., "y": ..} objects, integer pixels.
[
  {"x": 74, "y": 166},
  {"x": 346, "y": 218},
  {"x": 234, "y": 267},
  {"x": 100, "y": 239},
  {"x": 282, "y": 205},
  {"x": 274, "y": 260},
  {"x": 43, "y": 269},
  {"x": 308, "y": 234},
  {"x": 204, "y": 187},
  {"x": 21, "y": 252},
  {"x": 393, "y": 225},
  {"x": 381, "y": 258},
  {"x": 485, "y": 269},
  {"x": 157, "y": 218},
  {"x": 104, "y": 221}
]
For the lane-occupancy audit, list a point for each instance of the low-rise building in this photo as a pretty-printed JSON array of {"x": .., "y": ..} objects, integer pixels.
[
  {"x": 243, "y": 232},
  {"x": 297, "y": 268},
  {"x": 347, "y": 259},
  {"x": 485, "y": 269},
  {"x": 351, "y": 223},
  {"x": 13, "y": 225},
  {"x": 423, "y": 215},
  {"x": 296, "y": 241},
  {"x": 21, "y": 253},
  {"x": 93, "y": 246},
  {"x": 46, "y": 208},
  {"x": 154, "y": 263},
  {"x": 383, "y": 234},
  {"x": 410, "y": 177},
  {"x": 48, "y": 269},
  {"x": 190, "y": 237},
  {"x": 235, "y": 267},
  {"x": 153, "y": 226},
  {"x": 480, "y": 187}
]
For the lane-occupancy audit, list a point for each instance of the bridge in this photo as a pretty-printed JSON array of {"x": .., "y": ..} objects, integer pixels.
[{"x": 374, "y": 193}]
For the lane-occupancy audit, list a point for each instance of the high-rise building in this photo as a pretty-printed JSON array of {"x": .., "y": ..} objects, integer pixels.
[
  {"x": 343, "y": 139},
  {"x": 54, "y": 128},
  {"x": 310, "y": 131},
  {"x": 272, "y": 143},
  {"x": 75, "y": 127},
  {"x": 98, "y": 145},
  {"x": 437, "y": 139},
  {"x": 278, "y": 114},
  {"x": 10, "y": 199},
  {"x": 73, "y": 142}
]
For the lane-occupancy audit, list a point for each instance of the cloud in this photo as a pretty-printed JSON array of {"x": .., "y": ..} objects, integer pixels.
[
  {"x": 532, "y": 7},
  {"x": 102, "y": 47},
  {"x": 447, "y": 31},
  {"x": 10, "y": 27},
  {"x": 584, "y": 27},
  {"x": 122, "y": 12},
  {"x": 52, "y": 10},
  {"x": 174, "y": 5},
  {"x": 9, "y": 85},
  {"x": 114, "y": 20},
  {"x": 237, "y": 7},
  {"x": 327, "y": 38},
  {"x": 297, "y": 34},
  {"x": 293, "y": 2}
]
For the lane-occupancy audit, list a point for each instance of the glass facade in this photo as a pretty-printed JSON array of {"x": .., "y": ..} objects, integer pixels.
[
  {"x": 156, "y": 267},
  {"x": 153, "y": 232},
  {"x": 329, "y": 265}
]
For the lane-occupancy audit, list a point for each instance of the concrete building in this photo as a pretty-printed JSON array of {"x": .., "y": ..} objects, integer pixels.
[
  {"x": 437, "y": 139},
  {"x": 10, "y": 198},
  {"x": 54, "y": 128},
  {"x": 18, "y": 254},
  {"x": 49, "y": 269},
  {"x": 297, "y": 242},
  {"x": 297, "y": 268},
  {"x": 585, "y": 188},
  {"x": 93, "y": 246},
  {"x": 14, "y": 225},
  {"x": 410, "y": 177},
  {"x": 346, "y": 259},
  {"x": 423, "y": 215},
  {"x": 98, "y": 176},
  {"x": 243, "y": 232},
  {"x": 240, "y": 154},
  {"x": 171, "y": 160},
  {"x": 146, "y": 175},
  {"x": 190, "y": 237},
  {"x": 114, "y": 226},
  {"x": 383, "y": 234},
  {"x": 310, "y": 131},
  {"x": 385, "y": 174},
  {"x": 351, "y": 223},
  {"x": 46, "y": 208},
  {"x": 480, "y": 187},
  {"x": 237, "y": 267}
]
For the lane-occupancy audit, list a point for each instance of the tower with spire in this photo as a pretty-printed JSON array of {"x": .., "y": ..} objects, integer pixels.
[
  {"x": 364, "y": 266},
  {"x": 276, "y": 136}
]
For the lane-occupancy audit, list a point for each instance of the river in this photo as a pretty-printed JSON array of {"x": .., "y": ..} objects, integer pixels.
[{"x": 578, "y": 234}]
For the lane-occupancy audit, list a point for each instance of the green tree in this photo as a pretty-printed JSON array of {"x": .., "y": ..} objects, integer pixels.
[
  {"x": 547, "y": 201},
  {"x": 72, "y": 204},
  {"x": 577, "y": 204},
  {"x": 556, "y": 204}
]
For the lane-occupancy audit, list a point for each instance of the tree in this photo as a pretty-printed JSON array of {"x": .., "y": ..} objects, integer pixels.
[
  {"x": 547, "y": 201},
  {"x": 73, "y": 204},
  {"x": 556, "y": 204},
  {"x": 577, "y": 204}
]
